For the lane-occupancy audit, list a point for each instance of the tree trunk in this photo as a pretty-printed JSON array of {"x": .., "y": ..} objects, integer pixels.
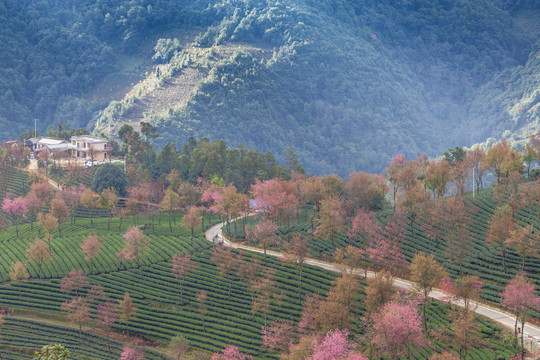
[
  {"x": 80, "y": 332},
  {"x": 365, "y": 271},
  {"x": 300, "y": 282},
  {"x": 522, "y": 332},
  {"x": 182, "y": 292},
  {"x": 515, "y": 329},
  {"x": 140, "y": 270},
  {"x": 108, "y": 340},
  {"x": 424, "y": 305},
  {"x": 504, "y": 259}
]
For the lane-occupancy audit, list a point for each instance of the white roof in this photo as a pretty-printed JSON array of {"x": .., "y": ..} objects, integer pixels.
[
  {"x": 49, "y": 141},
  {"x": 88, "y": 139},
  {"x": 58, "y": 146}
]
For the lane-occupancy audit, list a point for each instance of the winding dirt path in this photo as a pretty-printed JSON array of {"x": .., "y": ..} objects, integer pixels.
[
  {"x": 531, "y": 334},
  {"x": 33, "y": 167}
]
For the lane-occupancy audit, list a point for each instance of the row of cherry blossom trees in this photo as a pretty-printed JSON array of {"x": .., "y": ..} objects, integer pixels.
[{"x": 392, "y": 323}]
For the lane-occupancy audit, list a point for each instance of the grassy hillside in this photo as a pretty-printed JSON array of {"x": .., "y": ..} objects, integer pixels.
[
  {"x": 38, "y": 319},
  {"x": 159, "y": 315},
  {"x": 484, "y": 261}
]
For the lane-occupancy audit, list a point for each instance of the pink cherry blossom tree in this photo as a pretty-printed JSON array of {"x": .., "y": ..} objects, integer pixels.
[
  {"x": 74, "y": 280},
  {"x": 307, "y": 322},
  {"x": 265, "y": 233},
  {"x": 387, "y": 256},
  {"x": 397, "y": 327},
  {"x": 335, "y": 346},
  {"x": 72, "y": 198},
  {"x": 43, "y": 191},
  {"x": 274, "y": 198},
  {"x": 222, "y": 202},
  {"x": 133, "y": 351},
  {"x": 90, "y": 247},
  {"x": 181, "y": 266},
  {"x": 170, "y": 202},
  {"x": 466, "y": 289},
  {"x": 210, "y": 198},
  {"x": 107, "y": 314},
  {"x": 60, "y": 211},
  {"x": 279, "y": 336},
  {"x": 520, "y": 297},
  {"x": 34, "y": 206},
  {"x": 331, "y": 219},
  {"x": 382, "y": 244},
  {"x": 15, "y": 209},
  {"x": 136, "y": 245},
  {"x": 226, "y": 261},
  {"x": 231, "y": 353},
  {"x": 365, "y": 225},
  {"x": 192, "y": 219}
]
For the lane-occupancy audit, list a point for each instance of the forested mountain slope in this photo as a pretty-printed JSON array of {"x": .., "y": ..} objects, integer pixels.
[{"x": 346, "y": 84}]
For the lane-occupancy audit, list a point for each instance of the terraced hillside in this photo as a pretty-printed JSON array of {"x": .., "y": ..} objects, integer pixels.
[
  {"x": 483, "y": 260},
  {"x": 160, "y": 316},
  {"x": 12, "y": 181}
]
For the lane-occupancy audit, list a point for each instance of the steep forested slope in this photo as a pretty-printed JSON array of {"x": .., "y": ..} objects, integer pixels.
[
  {"x": 54, "y": 53},
  {"x": 347, "y": 84},
  {"x": 352, "y": 84}
]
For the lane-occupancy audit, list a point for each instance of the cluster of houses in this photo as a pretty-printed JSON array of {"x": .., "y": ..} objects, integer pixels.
[{"x": 82, "y": 147}]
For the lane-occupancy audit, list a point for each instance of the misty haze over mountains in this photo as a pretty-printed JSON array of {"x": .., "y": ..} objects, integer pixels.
[{"x": 346, "y": 84}]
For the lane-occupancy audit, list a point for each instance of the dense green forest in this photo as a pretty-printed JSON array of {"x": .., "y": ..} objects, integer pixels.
[{"x": 347, "y": 84}]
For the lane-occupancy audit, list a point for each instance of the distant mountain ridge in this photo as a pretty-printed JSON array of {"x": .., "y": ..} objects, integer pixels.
[{"x": 346, "y": 84}]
